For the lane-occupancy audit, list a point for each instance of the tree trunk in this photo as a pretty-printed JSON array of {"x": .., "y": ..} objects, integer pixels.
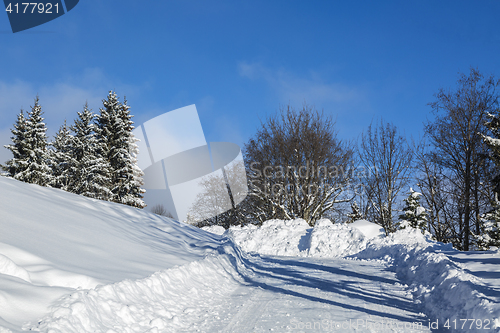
[{"x": 467, "y": 184}]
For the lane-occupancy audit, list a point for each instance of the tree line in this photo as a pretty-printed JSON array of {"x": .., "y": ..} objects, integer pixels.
[
  {"x": 94, "y": 157},
  {"x": 297, "y": 167}
]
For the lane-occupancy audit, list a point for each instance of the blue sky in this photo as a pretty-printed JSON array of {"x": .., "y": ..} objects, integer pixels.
[{"x": 239, "y": 61}]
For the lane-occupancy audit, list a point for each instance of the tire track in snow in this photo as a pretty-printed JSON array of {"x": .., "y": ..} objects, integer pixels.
[
  {"x": 235, "y": 292},
  {"x": 249, "y": 312},
  {"x": 294, "y": 294}
]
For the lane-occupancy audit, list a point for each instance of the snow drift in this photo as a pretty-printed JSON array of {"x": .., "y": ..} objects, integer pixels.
[
  {"x": 445, "y": 289},
  {"x": 173, "y": 300},
  {"x": 297, "y": 238},
  {"x": 54, "y": 243}
]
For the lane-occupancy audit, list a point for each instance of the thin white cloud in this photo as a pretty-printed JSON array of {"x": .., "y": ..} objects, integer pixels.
[
  {"x": 5, "y": 154},
  {"x": 313, "y": 88},
  {"x": 12, "y": 98},
  {"x": 60, "y": 100}
]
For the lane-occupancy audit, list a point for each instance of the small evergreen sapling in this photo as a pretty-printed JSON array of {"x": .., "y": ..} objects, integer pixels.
[
  {"x": 415, "y": 215},
  {"x": 491, "y": 224},
  {"x": 493, "y": 142},
  {"x": 355, "y": 214},
  {"x": 491, "y": 220}
]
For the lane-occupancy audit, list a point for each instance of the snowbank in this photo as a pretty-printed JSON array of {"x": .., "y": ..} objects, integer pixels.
[
  {"x": 369, "y": 229},
  {"x": 53, "y": 243},
  {"x": 274, "y": 237},
  {"x": 73, "y": 264},
  {"x": 444, "y": 288},
  {"x": 297, "y": 238},
  {"x": 334, "y": 240},
  {"x": 174, "y": 300},
  {"x": 215, "y": 229}
]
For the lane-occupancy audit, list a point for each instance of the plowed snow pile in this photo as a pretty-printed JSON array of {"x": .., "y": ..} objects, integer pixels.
[
  {"x": 297, "y": 238},
  {"x": 446, "y": 287}
]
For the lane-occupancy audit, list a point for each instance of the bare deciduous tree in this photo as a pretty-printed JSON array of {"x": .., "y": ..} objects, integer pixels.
[
  {"x": 455, "y": 134},
  {"x": 432, "y": 184},
  {"x": 298, "y": 167},
  {"x": 219, "y": 202},
  {"x": 389, "y": 155}
]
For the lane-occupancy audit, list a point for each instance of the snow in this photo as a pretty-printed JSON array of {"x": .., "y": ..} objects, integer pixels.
[
  {"x": 53, "y": 242},
  {"x": 370, "y": 230},
  {"x": 297, "y": 238},
  {"x": 215, "y": 229},
  {"x": 449, "y": 284},
  {"x": 75, "y": 264},
  {"x": 334, "y": 240},
  {"x": 171, "y": 300},
  {"x": 446, "y": 289},
  {"x": 274, "y": 237}
]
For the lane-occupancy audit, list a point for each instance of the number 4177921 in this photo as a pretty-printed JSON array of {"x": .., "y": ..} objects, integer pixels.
[{"x": 32, "y": 8}]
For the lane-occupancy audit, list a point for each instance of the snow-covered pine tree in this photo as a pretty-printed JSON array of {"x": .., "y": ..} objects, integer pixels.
[
  {"x": 114, "y": 129},
  {"x": 491, "y": 220},
  {"x": 136, "y": 190},
  {"x": 355, "y": 214},
  {"x": 91, "y": 169},
  {"x": 493, "y": 142},
  {"x": 19, "y": 148},
  {"x": 415, "y": 215},
  {"x": 60, "y": 159},
  {"x": 491, "y": 234},
  {"x": 31, "y": 164},
  {"x": 39, "y": 171},
  {"x": 131, "y": 191},
  {"x": 105, "y": 130}
]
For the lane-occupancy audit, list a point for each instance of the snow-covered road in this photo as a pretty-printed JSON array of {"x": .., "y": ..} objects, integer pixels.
[
  {"x": 233, "y": 291},
  {"x": 309, "y": 294}
]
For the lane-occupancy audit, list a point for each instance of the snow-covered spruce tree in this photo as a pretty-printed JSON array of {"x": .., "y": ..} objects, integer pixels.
[
  {"x": 355, "y": 214},
  {"x": 493, "y": 143},
  {"x": 19, "y": 148},
  {"x": 60, "y": 158},
  {"x": 415, "y": 215},
  {"x": 30, "y": 162},
  {"x": 131, "y": 191},
  {"x": 114, "y": 132},
  {"x": 491, "y": 220},
  {"x": 91, "y": 169},
  {"x": 491, "y": 233}
]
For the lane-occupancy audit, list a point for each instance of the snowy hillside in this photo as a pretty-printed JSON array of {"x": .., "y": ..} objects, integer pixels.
[
  {"x": 53, "y": 243},
  {"x": 73, "y": 264}
]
